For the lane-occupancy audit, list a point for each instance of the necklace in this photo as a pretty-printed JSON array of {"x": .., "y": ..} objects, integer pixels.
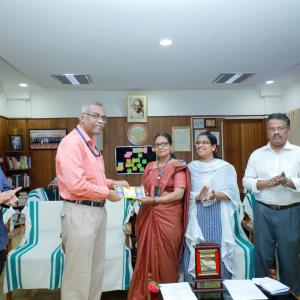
[
  {"x": 159, "y": 176},
  {"x": 98, "y": 154}
]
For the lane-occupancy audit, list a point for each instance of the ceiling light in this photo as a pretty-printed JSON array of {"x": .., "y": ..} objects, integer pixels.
[
  {"x": 72, "y": 79},
  {"x": 23, "y": 84},
  {"x": 269, "y": 81},
  {"x": 166, "y": 42}
]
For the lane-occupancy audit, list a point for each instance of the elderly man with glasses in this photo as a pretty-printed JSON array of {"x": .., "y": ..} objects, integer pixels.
[
  {"x": 273, "y": 175},
  {"x": 84, "y": 187}
]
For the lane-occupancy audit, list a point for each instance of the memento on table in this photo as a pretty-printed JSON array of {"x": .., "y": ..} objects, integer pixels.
[{"x": 208, "y": 268}]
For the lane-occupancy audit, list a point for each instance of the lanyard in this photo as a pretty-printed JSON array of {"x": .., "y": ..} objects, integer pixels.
[
  {"x": 88, "y": 145},
  {"x": 160, "y": 173},
  {"x": 161, "y": 170}
]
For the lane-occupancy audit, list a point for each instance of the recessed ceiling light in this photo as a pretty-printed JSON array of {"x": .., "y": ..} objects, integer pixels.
[
  {"x": 22, "y": 84},
  {"x": 166, "y": 42},
  {"x": 269, "y": 81}
]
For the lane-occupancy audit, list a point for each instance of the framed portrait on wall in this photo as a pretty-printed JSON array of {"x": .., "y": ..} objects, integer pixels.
[
  {"x": 210, "y": 123},
  {"x": 181, "y": 136},
  {"x": 16, "y": 142},
  {"x": 198, "y": 123},
  {"x": 137, "y": 108}
]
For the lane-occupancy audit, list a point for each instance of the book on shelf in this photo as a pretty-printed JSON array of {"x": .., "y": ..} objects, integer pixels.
[
  {"x": 18, "y": 163},
  {"x": 22, "y": 179}
]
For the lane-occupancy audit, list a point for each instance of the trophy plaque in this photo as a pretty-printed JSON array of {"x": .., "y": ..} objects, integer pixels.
[{"x": 208, "y": 268}]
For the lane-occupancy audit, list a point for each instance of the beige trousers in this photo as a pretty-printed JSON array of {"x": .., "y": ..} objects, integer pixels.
[{"x": 83, "y": 234}]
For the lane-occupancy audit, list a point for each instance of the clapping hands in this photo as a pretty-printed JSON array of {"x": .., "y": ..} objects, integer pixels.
[
  {"x": 280, "y": 180},
  {"x": 205, "y": 194}
]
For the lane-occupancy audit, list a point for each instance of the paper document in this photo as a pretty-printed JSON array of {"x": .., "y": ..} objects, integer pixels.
[
  {"x": 271, "y": 285},
  {"x": 243, "y": 290},
  {"x": 131, "y": 192},
  {"x": 177, "y": 291}
]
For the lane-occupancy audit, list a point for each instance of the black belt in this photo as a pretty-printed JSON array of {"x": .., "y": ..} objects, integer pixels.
[
  {"x": 88, "y": 202},
  {"x": 279, "y": 207}
]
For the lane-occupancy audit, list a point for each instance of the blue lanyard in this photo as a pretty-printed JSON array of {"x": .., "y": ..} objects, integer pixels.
[{"x": 88, "y": 145}]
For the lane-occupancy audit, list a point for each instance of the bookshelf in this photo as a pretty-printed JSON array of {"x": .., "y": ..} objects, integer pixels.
[{"x": 17, "y": 168}]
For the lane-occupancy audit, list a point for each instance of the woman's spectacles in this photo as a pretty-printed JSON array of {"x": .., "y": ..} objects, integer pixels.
[
  {"x": 163, "y": 145},
  {"x": 97, "y": 117},
  {"x": 202, "y": 143}
]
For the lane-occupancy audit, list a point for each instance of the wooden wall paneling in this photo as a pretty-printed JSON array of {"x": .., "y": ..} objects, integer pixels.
[
  {"x": 20, "y": 127},
  {"x": 115, "y": 134},
  {"x": 3, "y": 135},
  {"x": 43, "y": 161},
  {"x": 240, "y": 138}
]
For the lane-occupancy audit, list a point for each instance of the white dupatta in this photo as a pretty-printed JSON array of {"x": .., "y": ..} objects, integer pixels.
[{"x": 220, "y": 176}]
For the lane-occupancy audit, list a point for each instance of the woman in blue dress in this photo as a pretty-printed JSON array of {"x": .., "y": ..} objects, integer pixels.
[{"x": 215, "y": 213}]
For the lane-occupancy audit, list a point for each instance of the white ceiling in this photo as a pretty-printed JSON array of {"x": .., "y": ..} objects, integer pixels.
[{"x": 117, "y": 42}]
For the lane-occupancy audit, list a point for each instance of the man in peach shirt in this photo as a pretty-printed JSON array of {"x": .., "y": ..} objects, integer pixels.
[{"x": 84, "y": 187}]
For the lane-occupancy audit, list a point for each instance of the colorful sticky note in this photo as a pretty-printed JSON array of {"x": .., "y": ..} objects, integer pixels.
[
  {"x": 144, "y": 161},
  {"x": 120, "y": 168},
  {"x": 135, "y": 150},
  {"x": 145, "y": 149},
  {"x": 138, "y": 165},
  {"x": 142, "y": 169},
  {"x": 140, "y": 155},
  {"x": 137, "y": 160},
  {"x": 120, "y": 164},
  {"x": 134, "y": 168},
  {"x": 128, "y": 161},
  {"x": 129, "y": 170}
]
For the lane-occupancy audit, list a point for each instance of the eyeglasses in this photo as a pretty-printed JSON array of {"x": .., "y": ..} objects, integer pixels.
[
  {"x": 197, "y": 143},
  {"x": 97, "y": 117},
  {"x": 163, "y": 145},
  {"x": 274, "y": 129}
]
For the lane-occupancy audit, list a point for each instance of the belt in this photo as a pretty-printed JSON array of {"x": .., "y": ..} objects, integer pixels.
[
  {"x": 279, "y": 207},
  {"x": 88, "y": 202}
]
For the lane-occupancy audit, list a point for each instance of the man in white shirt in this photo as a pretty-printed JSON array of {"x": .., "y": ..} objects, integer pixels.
[{"x": 273, "y": 175}]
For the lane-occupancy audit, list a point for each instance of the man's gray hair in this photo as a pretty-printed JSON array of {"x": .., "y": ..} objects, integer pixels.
[{"x": 86, "y": 106}]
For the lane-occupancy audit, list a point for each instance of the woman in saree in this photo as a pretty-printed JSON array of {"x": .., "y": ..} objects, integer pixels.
[
  {"x": 215, "y": 213},
  {"x": 162, "y": 219}
]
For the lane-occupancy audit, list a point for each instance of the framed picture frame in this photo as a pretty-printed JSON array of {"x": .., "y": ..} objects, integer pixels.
[
  {"x": 207, "y": 261},
  {"x": 46, "y": 139},
  {"x": 137, "y": 108},
  {"x": 181, "y": 136},
  {"x": 198, "y": 123},
  {"x": 15, "y": 142},
  {"x": 210, "y": 123}
]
